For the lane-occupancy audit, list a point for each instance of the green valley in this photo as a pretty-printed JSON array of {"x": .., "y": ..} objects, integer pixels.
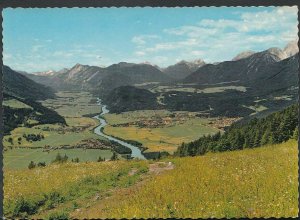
[{"x": 150, "y": 113}]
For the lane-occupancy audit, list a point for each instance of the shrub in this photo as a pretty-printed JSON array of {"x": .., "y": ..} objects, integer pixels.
[
  {"x": 58, "y": 215},
  {"x": 114, "y": 156},
  {"x": 41, "y": 164},
  {"x": 23, "y": 208},
  {"x": 31, "y": 165},
  {"x": 100, "y": 159},
  {"x": 52, "y": 199},
  {"x": 60, "y": 159}
]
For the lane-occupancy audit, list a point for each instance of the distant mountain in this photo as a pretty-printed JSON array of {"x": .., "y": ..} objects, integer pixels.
[
  {"x": 291, "y": 48},
  {"x": 129, "y": 98},
  {"x": 242, "y": 70},
  {"x": 243, "y": 55},
  {"x": 183, "y": 68},
  {"x": 47, "y": 73},
  {"x": 95, "y": 78},
  {"x": 139, "y": 73},
  {"x": 18, "y": 85},
  {"x": 280, "y": 77},
  {"x": 151, "y": 64}
]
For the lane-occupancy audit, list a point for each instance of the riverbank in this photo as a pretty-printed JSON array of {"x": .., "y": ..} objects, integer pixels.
[{"x": 136, "y": 151}]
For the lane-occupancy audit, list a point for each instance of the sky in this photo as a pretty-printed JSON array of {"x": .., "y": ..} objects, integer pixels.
[{"x": 52, "y": 39}]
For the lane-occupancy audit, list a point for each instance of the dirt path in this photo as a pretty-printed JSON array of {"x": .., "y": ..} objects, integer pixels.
[
  {"x": 159, "y": 167},
  {"x": 94, "y": 209}
]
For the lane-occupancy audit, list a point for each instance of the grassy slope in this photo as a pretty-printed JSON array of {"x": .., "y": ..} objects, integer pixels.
[
  {"x": 13, "y": 103},
  {"x": 261, "y": 182},
  {"x": 67, "y": 183}
]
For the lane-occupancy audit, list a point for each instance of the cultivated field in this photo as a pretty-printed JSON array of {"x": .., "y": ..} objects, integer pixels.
[
  {"x": 73, "y": 104},
  {"x": 13, "y": 103},
  {"x": 20, "y": 158},
  {"x": 74, "y": 107},
  {"x": 158, "y": 130},
  {"x": 189, "y": 88}
]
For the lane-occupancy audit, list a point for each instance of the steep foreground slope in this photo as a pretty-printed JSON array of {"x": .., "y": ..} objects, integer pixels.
[
  {"x": 250, "y": 183},
  {"x": 259, "y": 182}
]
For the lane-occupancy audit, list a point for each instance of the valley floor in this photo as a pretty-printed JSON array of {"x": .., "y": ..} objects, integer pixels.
[
  {"x": 161, "y": 130},
  {"x": 76, "y": 108},
  {"x": 260, "y": 182}
]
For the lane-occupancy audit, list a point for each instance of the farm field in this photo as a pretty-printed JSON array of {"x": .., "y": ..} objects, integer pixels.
[
  {"x": 246, "y": 183},
  {"x": 188, "y": 88},
  {"x": 20, "y": 158},
  {"x": 13, "y": 103},
  {"x": 158, "y": 130},
  {"x": 73, "y": 104},
  {"x": 54, "y": 135},
  {"x": 70, "y": 105}
]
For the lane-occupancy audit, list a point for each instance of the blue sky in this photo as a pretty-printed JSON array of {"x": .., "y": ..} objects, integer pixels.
[{"x": 43, "y": 39}]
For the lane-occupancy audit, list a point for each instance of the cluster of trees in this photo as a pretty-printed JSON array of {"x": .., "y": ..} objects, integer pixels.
[
  {"x": 63, "y": 159},
  {"x": 14, "y": 117},
  {"x": 60, "y": 159},
  {"x": 33, "y": 137},
  {"x": 275, "y": 128},
  {"x": 113, "y": 157},
  {"x": 33, "y": 164}
]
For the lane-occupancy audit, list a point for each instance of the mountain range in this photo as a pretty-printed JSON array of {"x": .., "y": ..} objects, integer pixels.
[
  {"x": 183, "y": 68},
  {"x": 263, "y": 74},
  {"x": 101, "y": 79}
]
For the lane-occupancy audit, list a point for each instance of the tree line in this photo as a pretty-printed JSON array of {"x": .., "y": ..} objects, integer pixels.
[{"x": 276, "y": 128}]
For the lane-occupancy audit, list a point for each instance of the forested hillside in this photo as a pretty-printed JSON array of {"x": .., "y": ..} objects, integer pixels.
[
  {"x": 20, "y": 86},
  {"x": 275, "y": 128},
  {"x": 32, "y": 112}
]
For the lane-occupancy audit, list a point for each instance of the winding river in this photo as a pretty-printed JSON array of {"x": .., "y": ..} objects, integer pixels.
[{"x": 136, "y": 152}]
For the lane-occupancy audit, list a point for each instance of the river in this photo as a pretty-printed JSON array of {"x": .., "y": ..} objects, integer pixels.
[{"x": 136, "y": 152}]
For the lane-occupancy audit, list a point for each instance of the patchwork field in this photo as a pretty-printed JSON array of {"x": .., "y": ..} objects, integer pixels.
[
  {"x": 20, "y": 158},
  {"x": 158, "y": 130},
  {"x": 54, "y": 135},
  {"x": 73, "y": 104},
  {"x": 73, "y": 107},
  {"x": 189, "y": 88},
  {"x": 13, "y": 103}
]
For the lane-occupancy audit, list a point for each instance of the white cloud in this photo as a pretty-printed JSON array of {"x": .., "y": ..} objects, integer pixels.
[
  {"x": 142, "y": 39},
  {"x": 140, "y": 53},
  {"x": 36, "y": 48},
  {"x": 221, "y": 39}
]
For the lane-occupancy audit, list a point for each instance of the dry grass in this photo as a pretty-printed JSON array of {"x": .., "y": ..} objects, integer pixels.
[{"x": 260, "y": 182}]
